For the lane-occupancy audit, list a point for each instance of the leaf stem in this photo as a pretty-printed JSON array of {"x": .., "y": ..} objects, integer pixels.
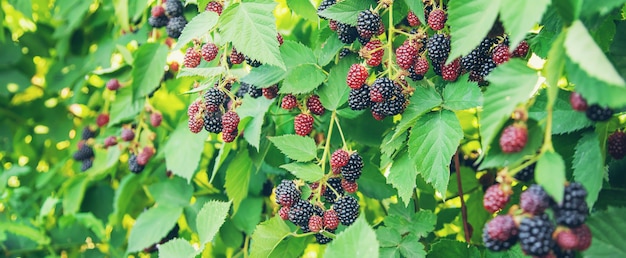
[
  {"x": 391, "y": 30},
  {"x": 457, "y": 165},
  {"x": 343, "y": 139}
]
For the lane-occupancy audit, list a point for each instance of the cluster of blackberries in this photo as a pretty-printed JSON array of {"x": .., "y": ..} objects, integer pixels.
[
  {"x": 538, "y": 234},
  {"x": 384, "y": 97},
  {"x": 369, "y": 24},
  {"x": 349, "y": 166},
  {"x": 137, "y": 161},
  {"x": 594, "y": 112},
  {"x": 85, "y": 152},
  {"x": 209, "y": 113},
  {"x": 315, "y": 217},
  {"x": 311, "y": 105},
  {"x": 169, "y": 15}
]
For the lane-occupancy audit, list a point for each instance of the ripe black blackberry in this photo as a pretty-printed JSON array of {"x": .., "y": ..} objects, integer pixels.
[
  {"x": 383, "y": 86},
  {"x": 535, "y": 200},
  {"x": 321, "y": 239},
  {"x": 485, "y": 46},
  {"x": 300, "y": 212},
  {"x": 158, "y": 21},
  {"x": 83, "y": 153},
  {"x": 598, "y": 114},
  {"x": 359, "y": 99},
  {"x": 414, "y": 75},
  {"x": 133, "y": 166},
  {"x": 242, "y": 90},
  {"x": 87, "y": 133},
  {"x": 616, "y": 145},
  {"x": 487, "y": 67},
  {"x": 347, "y": 209},
  {"x": 324, "y": 5},
  {"x": 252, "y": 62},
  {"x": 573, "y": 211},
  {"x": 497, "y": 245},
  {"x": 213, "y": 122},
  {"x": 438, "y": 46},
  {"x": 352, "y": 171},
  {"x": 213, "y": 98},
  {"x": 255, "y": 92},
  {"x": 472, "y": 61},
  {"x": 87, "y": 164},
  {"x": 526, "y": 174},
  {"x": 535, "y": 235},
  {"x": 174, "y": 8},
  {"x": 367, "y": 24},
  {"x": 346, "y": 33},
  {"x": 392, "y": 106},
  {"x": 287, "y": 193},
  {"x": 344, "y": 52},
  {"x": 329, "y": 194},
  {"x": 175, "y": 26}
]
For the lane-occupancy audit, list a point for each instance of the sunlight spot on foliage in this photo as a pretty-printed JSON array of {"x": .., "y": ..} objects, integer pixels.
[
  {"x": 12, "y": 87},
  {"x": 41, "y": 129},
  {"x": 536, "y": 62}
]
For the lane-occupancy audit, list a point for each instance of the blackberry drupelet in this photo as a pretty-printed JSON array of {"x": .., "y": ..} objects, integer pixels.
[
  {"x": 324, "y": 5},
  {"x": 497, "y": 245},
  {"x": 359, "y": 99},
  {"x": 535, "y": 235},
  {"x": 252, "y": 62},
  {"x": 242, "y": 90},
  {"x": 347, "y": 209},
  {"x": 255, "y": 92}
]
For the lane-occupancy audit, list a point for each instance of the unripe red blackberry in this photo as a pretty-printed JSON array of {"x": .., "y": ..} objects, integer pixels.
[
  {"x": 287, "y": 193},
  {"x": 195, "y": 123},
  {"x": 353, "y": 169},
  {"x": 405, "y": 55},
  {"x": 437, "y": 19},
  {"x": 513, "y": 138},
  {"x": 535, "y": 235},
  {"x": 347, "y": 209},
  {"x": 230, "y": 137},
  {"x": 521, "y": 50},
  {"x": 230, "y": 121},
  {"x": 156, "y": 118},
  {"x": 583, "y": 234},
  {"x": 192, "y": 58},
  {"x": 283, "y": 212},
  {"x": 451, "y": 71},
  {"x": 127, "y": 134},
  {"x": 236, "y": 57},
  {"x": 357, "y": 75},
  {"x": 413, "y": 20},
  {"x": 330, "y": 219},
  {"x": 193, "y": 108},
  {"x": 209, "y": 51},
  {"x": 279, "y": 38},
  {"x": 289, "y": 102},
  {"x": 315, "y": 223},
  {"x": 578, "y": 102},
  {"x": 566, "y": 239},
  {"x": 616, "y": 144},
  {"x": 421, "y": 66},
  {"x": 535, "y": 200},
  {"x": 110, "y": 141},
  {"x": 339, "y": 158},
  {"x": 501, "y": 54},
  {"x": 349, "y": 186},
  {"x": 303, "y": 124},
  {"x": 144, "y": 156},
  {"x": 315, "y": 105},
  {"x": 502, "y": 228},
  {"x": 495, "y": 198},
  {"x": 157, "y": 11},
  {"x": 102, "y": 120},
  {"x": 598, "y": 114},
  {"x": 215, "y": 6},
  {"x": 113, "y": 84},
  {"x": 372, "y": 52},
  {"x": 174, "y": 66},
  {"x": 270, "y": 92}
]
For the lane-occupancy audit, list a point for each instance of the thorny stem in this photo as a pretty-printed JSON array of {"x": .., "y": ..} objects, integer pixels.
[{"x": 459, "y": 184}]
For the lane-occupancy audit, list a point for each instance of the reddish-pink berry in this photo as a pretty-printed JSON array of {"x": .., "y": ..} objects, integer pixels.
[
  {"x": 127, "y": 134},
  {"x": 357, "y": 75},
  {"x": 578, "y": 102},
  {"x": 284, "y": 212},
  {"x": 192, "y": 58},
  {"x": 110, "y": 141},
  {"x": 209, "y": 51},
  {"x": 421, "y": 66},
  {"x": 616, "y": 145},
  {"x": 501, "y": 54},
  {"x": 289, "y": 102},
  {"x": 113, "y": 84},
  {"x": 349, "y": 186},
  {"x": 230, "y": 121},
  {"x": 315, "y": 105},
  {"x": 102, "y": 120},
  {"x": 331, "y": 220},
  {"x": 412, "y": 19},
  {"x": 502, "y": 228},
  {"x": 405, "y": 55},
  {"x": 373, "y": 53},
  {"x": 567, "y": 239},
  {"x": 513, "y": 138},
  {"x": 437, "y": 19},
  {"x": 215, "y": 6},
  {"x": 495, "y": 198},
  {"x": 521, "y": 50},
  {"x": 303, "y": 124},
  {"x": 315, "y": 223},
  {"x": 339, "y": 158},
  {"x": 451, "y": 71},
  {"x": 156, "y": 118}
]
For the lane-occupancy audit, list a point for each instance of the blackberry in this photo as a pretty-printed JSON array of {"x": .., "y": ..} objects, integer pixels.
[
  {"x": 372, "y": 52},
  {"x": 321, "y": 239},
  {"x": 287, "y": 193},
  {"x": 526, "y": 174},
  {"x": 289, "y": 102},
  {"x": 242, "y": 90},
  {"x": 578, "y": 102},
  {"x": 252, "y": 62},
  {"x": 195, "y": 123},
  {"x": 127, "y": 134},
  {"x": 566, "y": 239},
  {"x": 352, "y": 170},
  {"x": 213, "y": 122},
  {"x": 83, "y": 153},
  {"x": 561, "y": 253},
  {"x": 209, "y": 51},
  {"x": 451, "y": 71},
  {"x": 502, "y": 228},
  {"x": 230, "y": 121},
  {"x": 535, "y": 235},
  {"x": 405, "y": 55},
  {"x": 392, "y": 106},
  {"x": 357, "y": 75},
  {"x": 472, "y": 61},
  {"x": 270, "y": 92},
  {"x": 133, "y": 166},
  {"x": 412, "y": 19},
  {"x": 339, "y": 158},
  {"x": 330, "y": 219},
  {"x": 87, "y": 133},
  {"x": 485, "y": 45},
  {"x": 315, "y": 223},
  {"x": 501, "y": 54},
  {"x": 280, "y": 39},
  {"x": 383, "y": 86},
  {"x": 437, "y": 19},
  {"x": 346, "y": 32},
  {"x": 303, "y": 124},
  {"x": 347, "y": 209},
  {"x": 324, "y": 5},
  {"x": 230, "y": 137},
  {"x": 193, "y": 108},
  {"x": 345, "y": 52},
  {"x": 157, "y": 10},
  {"x": 521, "y": 50},
  {"x": 236, "y": 57},
  {"x": 359, "y": 99},
  {"x": 414, "y": 75},
  {"x": 156, "y": 118},
  {"x": 599, "y": 114},
  {"x": 583, "y": 233},
  {"x": 487, "y": 67},
  {"x": 158, "y": 21},
  {"x": 573, "y": 211},
  {"x": 192, "y": 58},
  {"x": 438, "y": 46},
  {"x": 113, "y": 84},
  {"x": 283, "y": 212},
  {"x": 315, "y": 105},
  {"x": 349, "y": 186},
  {"x": 87, "y": 164},
  {"x": 215, "y": 6},
  {"x": 145, "y": 155},
  {"x": 175, "y": 26},
  {"x": 514, "y": 138},
  {"x": 213, "y": 98},
  {"x": 174, "y": 8},
  {"x": 110, "y": 141},
  {"x": 255, "y": 92},
  {"x": 535, "y": 200},
  {"x": 497, "y": 245},
  {"x": 616, "y": 144},
  {"x": 300, "y": 212},
  {"x": 421, "y": 66},
  {"x": 329, "y": 194},
  {"x": 367, "y": 24},
  {"x": 495, "y": 198}
]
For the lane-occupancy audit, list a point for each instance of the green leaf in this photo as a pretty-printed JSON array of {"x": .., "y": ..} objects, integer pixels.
[
  {"x": 418, "y": 8},
  {"x": 238, "y": 178},
  {"x": 452, "y": 248},
  {"x": 518, "y": 17},
  {"x": 264, "y": 76},
  {"x": 219, "y": 160},
  {"x": 16, "y": 171},
  {"x": 204, "y": 72},
  {"x": 177, "y": 248},
  {"x": 607, "y": 228},
  {"x": 402, "y": 176},
  {"x": 255, "y": 108},
  {"x": 74, "y": 193},
  {"x": 461, "y": 95},
  {"x": 267, "y": 236},
  {"x": 550, "y": 174},
  {"x": 422, "y": 101},
  {"x": 175, "y": 192},
  {"x": 329, "y": 49},
  {"x": 125, "y": 107},
  {"x": 210, "y": 219},
  {"x": 252, "y": 31},
  {"x": 569, "y": 10},
  {"x": 595, "y": 90},
  {"x": 432, "y": 144},
  {"x": 25, "y": 231},
  {"x": 121, "y": 12},
  {"x": 470, "y": 21},
  {"x": 602, "y": 8},
  {"x": 588, "y": 165},
  {"x": 105, "y": 159},
  {"x": 514, "y": 252},
  {"x": 307, "y": 171},
  {"x": 358, "y": 240},
  {"x": 151, "y": 226},
  {"x": 510, "y": 84},
  {"x": 372, "y": 183},
  {"x": 247, "y": 219},
  {"x": 128, "y": 186},
  {"x": 303, "y": 8},
  {"x": 296, "y": 147},
  {"x": 295, "y": 53},
  {"x": 290, "y": 247},
  {"x": 302, "y": 79},
  {"x": 184, "y": 161},
  {"x": 347, "y": 11},
  {"x": 196, "y": 28},
  {"x": 419, "y": 224},
  {"x": 568, "y": 120},
  {"x": 411, "y": 247},
  {"x": 148, "y": 70},
  {"x": 335, "y": 91},
  {"x": 582, "y": 50}
]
